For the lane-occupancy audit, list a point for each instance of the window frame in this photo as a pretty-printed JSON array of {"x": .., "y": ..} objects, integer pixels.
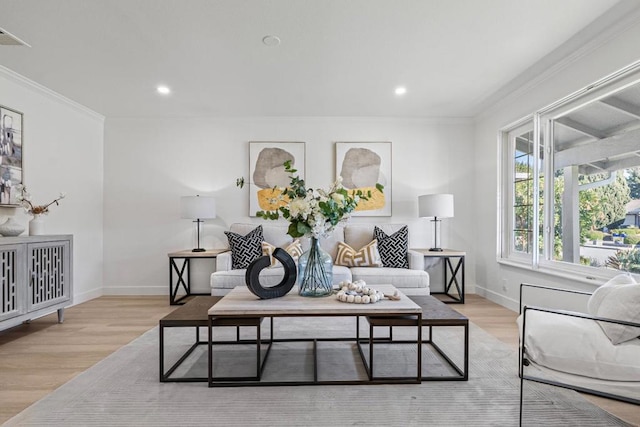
[
  {"x": 506, "y": 197},
  {"x": 541, "y": 258}
]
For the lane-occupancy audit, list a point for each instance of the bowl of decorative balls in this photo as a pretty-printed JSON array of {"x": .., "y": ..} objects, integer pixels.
[{"x": 359, "y": 293}]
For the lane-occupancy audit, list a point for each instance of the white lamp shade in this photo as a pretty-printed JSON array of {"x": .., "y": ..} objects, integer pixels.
[
  {"x": 435, "y": 205},
  {"x": 198, "y": 207}
]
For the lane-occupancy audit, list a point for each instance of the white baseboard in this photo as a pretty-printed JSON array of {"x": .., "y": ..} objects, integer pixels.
[
  {"x": 86, "y": 296},
  {"x": 504, "y": 301},
  {"x": 136, "y": 290}
]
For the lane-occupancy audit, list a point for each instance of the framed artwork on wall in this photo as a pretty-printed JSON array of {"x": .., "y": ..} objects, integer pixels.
[
  {"x": 361, "y": 165},
  {"x": 10, "y": 155},
  {"x": 266, "y": 171}
]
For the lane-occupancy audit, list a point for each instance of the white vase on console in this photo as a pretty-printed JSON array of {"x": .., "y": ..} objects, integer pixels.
[
  {"x": 11, "y": 228},
  {"x": 36, "y": 225}
]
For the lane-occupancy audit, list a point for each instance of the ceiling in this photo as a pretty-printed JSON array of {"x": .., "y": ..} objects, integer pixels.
[
  {"x": 601, "y": 136},
  {"x": 336, "y": 57}
]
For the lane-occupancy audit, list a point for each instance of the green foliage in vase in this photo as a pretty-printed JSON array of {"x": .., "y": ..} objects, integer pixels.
[{"x": 314, "y": 212}]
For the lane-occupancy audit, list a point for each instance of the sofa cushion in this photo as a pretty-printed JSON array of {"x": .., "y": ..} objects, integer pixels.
[
  {"x": 229, "y": 279},
  {"x": 358, "y": 235},
  {"x": 341, "y": 274},
  {"x": 578, "y": 346},
  {"x": 401, "y": 278},
  {"x": 274, "y": 232},
  {"x": 393, "y": 248},
  {"x": 245, "y": 249},
  {"x": 618, "y": 299},
  {"x": 329, "y": 243},
  {"x": 294, "y": 249},
  {"x": 367, "y": 256}
]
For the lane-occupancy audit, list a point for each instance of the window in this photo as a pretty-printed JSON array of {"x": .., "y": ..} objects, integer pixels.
[
  {"x": 523, "y": 193},
  {"x": 585, "y": 217}
]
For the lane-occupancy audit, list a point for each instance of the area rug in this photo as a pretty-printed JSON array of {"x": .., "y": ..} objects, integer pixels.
[{"x": 124, "y": 390}]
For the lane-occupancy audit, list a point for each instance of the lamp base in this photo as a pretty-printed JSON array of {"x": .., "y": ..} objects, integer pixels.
[
  {"x": 435, "y": 250},
  {"x": 198, "y": 250}
]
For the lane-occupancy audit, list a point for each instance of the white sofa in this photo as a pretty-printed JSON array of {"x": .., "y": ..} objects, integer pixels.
[{"x": 411, "y": 281}]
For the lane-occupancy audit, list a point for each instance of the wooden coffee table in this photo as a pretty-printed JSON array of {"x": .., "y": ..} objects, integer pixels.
[{"x": 241, "y": 303}]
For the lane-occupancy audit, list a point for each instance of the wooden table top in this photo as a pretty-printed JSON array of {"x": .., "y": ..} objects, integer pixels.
[
  {"x": 435, "y": 311},
  {"x": 193, "y": 313},
  {"x": 443, "y": 253},
  {"x": 188, "y": 253},
  {"x": 241, "y": 302}
]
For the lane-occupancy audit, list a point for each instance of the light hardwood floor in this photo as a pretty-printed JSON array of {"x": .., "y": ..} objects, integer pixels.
[{"x": 37, "y": 358}]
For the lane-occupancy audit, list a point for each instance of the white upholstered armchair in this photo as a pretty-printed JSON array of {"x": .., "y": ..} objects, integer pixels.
[{"x": 595, "y": 352}]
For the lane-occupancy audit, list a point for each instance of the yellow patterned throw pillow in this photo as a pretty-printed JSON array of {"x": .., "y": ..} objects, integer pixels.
[
  {"x": 368, "y": 256},
  {"x": 294, "y": 249}
]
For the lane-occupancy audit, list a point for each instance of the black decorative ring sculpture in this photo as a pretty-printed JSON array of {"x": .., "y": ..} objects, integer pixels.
[{"x": 252, "y": 276}]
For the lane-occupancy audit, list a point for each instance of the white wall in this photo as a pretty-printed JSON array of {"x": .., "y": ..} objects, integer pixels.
[
  {"x": 607, "y": 57},
  {"x": 150, "y": 163},
  {"x": 62, "y": 151}
]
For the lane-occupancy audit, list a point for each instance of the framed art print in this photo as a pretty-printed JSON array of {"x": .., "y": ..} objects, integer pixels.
[
  {"x": 361, "y": 165},
  {"x": 266, "y": 172},
  {"x": 10, "y": 155}
]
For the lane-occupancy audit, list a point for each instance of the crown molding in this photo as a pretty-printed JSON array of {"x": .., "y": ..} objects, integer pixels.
[
  {"x": 30, "y": 84},
  {"x": 310, "y": 119},
  {"x": 609, "y": 26}
]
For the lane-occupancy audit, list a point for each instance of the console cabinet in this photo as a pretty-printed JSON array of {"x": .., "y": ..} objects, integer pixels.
[{"x": 36, "y": 277}]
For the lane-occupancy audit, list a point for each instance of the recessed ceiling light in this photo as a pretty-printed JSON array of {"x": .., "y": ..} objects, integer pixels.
[
  {"x": 271, "y": 40},
  {"x": 401, "y": 90},
  {"x": 164, "y": 90}
]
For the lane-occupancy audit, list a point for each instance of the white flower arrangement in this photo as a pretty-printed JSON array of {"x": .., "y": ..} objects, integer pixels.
[{"x": 314, "y": 212}]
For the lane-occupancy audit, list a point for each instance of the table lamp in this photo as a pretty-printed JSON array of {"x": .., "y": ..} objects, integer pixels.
[
  {"x": 198, "y": 208},
  {"x": 435, "y": 206}
]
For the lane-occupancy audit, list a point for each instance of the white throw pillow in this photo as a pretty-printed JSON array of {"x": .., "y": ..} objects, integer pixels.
[{"x": 618, "y": 299}]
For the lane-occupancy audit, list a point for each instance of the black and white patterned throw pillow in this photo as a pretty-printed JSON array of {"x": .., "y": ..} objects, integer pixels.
[
  {"x": 245, "y": 249},
  {"x": 393, "y": 249}
]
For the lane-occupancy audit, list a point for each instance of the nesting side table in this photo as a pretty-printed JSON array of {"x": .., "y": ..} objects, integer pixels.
[
  {"x": 178, "y": 269},
  {"x": 453, "y": 273}
]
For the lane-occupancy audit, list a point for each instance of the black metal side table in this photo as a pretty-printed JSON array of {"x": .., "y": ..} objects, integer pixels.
[
  {"x": 453, "y": 273},
  {"x": 178, "y": 271}
]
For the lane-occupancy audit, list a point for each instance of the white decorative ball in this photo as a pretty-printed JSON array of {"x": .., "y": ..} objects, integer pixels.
[
  {"x": 350, "y": 298},
  {"x": 366, "y": 299},
  {"x": 357, "y": 299}
]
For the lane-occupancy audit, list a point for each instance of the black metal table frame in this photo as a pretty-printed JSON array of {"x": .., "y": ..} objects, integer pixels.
[
  {"x": 166, "y": 376},
  {"x": 239, "y": 382},
  {"x": 449, "y": 269},
  {"x": 180, "y": 279},
  {"x": 462, "y": 373}
]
